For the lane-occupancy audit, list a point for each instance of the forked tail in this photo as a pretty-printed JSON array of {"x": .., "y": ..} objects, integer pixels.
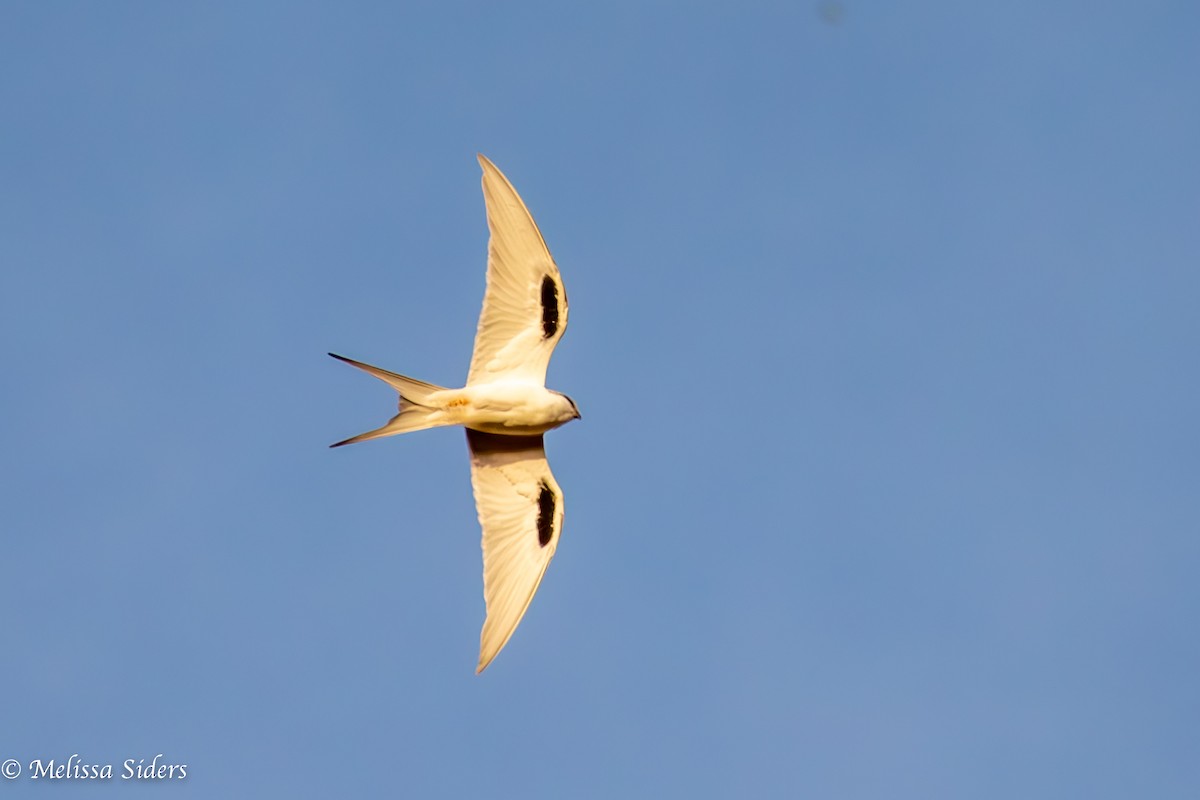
[{"x": 416, "y": 412}]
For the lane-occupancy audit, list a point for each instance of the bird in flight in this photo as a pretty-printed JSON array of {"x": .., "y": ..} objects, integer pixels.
[{"x": 505, "y": 408}]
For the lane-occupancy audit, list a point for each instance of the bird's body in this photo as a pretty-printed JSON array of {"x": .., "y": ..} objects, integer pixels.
[
  {"x": 508, "y": 408},
  {"x": 512, "y": 409},
  {"x": 505, "y": 408}
]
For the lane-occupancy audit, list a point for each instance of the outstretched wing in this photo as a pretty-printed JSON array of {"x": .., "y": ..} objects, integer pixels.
[
  {"x": 525, "y": 306},
  {"x": 521, "y": 512}
]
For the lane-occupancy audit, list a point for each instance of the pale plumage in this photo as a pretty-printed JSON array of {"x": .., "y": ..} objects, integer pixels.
[
  {"x": 505, "y": 408},
  {"x": 525, "y": 307}
]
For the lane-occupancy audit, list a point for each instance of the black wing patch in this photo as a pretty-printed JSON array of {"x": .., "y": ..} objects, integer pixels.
[
  {"x": 545, "y": 521},
  {"x": 549, "y": 307}
]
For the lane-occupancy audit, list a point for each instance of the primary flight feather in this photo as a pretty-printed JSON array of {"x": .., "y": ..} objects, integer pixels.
[{"x": 505, "y": 408}]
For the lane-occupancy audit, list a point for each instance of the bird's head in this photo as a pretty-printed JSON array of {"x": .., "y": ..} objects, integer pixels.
[{"x": 567, "y": 410}]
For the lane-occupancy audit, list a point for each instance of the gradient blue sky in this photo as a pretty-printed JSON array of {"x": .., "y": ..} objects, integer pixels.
[{"x": 884, "y": 331}]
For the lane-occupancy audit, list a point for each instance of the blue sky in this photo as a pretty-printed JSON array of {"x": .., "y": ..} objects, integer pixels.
[{"x": 883, "y": 328}]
